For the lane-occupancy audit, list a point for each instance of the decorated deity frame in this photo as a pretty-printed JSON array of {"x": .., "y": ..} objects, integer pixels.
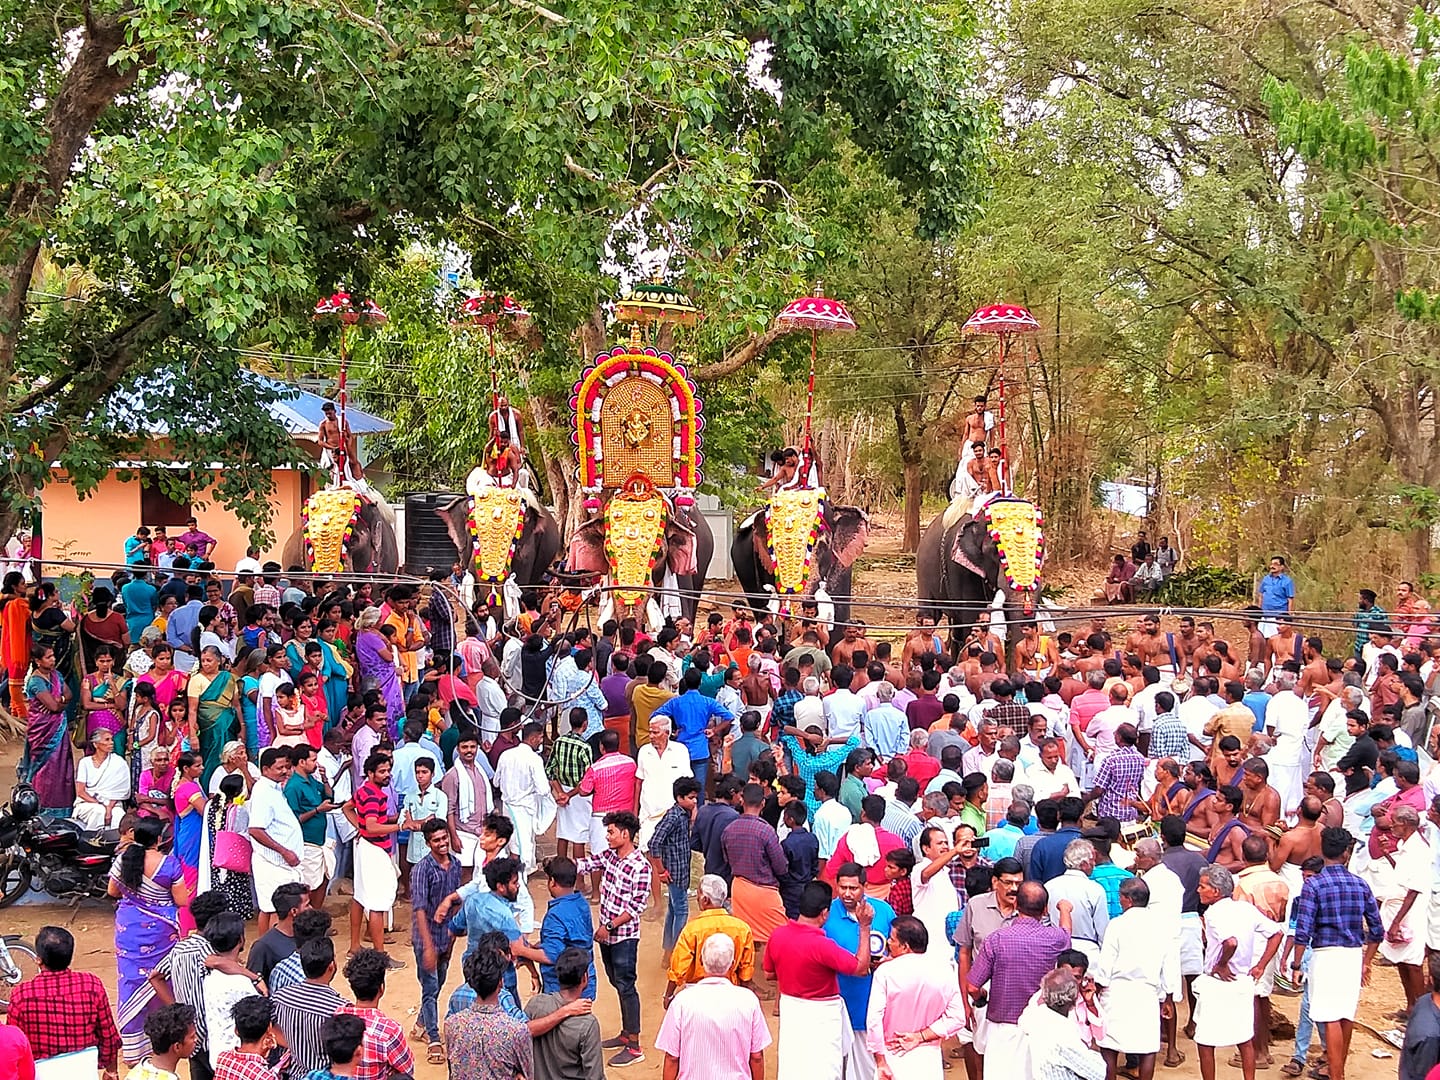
[{"x": 609, "y": 453}]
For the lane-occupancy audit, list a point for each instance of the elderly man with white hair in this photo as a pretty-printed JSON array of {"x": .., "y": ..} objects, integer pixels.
[
  {"x": 1332, "y": 734},
  {"x": 687, "y": 957},
  {"x": 1287, "y": 719},
  {"x": 810, "y": 709},
  {"x": 659, "y": 764},
  {"x": 1139, "y": 973},
  {"x": 714, "y": 1030},
  {"x": 1052, "y": 1047},
  {"x": 1089, "y": 907},
  {"x": 1403, "y": 884},
  {"x": 1240, "y": 942}
]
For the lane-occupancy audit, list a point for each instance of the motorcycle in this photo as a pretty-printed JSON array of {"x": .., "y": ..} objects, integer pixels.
[{"x": 57, "y": 855}]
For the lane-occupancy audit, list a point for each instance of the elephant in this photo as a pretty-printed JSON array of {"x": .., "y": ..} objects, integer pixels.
[
  {"x": 539, "y": 544},
  {"x": 373, "y": 548},
  {"x": 847, "y": 528},
  {"x": 587, "y": 553},
  {"x": 946, "y": 586}
]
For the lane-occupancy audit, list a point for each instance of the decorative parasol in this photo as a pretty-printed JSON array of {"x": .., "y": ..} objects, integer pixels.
[
  {"x": 1004, "y": 321},
  {"x": 485, "y": 311},
  {"x": 657, "y": 302},
  {"x": 340, "y": 307},
  {"x": 813, "y": 313}
]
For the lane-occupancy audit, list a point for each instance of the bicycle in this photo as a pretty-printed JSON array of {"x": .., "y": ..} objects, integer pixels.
[{"x": 18, "y": 963}]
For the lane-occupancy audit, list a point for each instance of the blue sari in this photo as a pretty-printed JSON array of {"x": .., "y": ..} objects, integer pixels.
[
  {"x": 147, "y": 925},
  {"x": 335, "y": 676}
]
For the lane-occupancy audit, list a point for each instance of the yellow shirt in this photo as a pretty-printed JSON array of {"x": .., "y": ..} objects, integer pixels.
[
  {"x": 407, "y": 634},
  {"x": 685, "y": 966},
  {"x": 646, "y": 699}
]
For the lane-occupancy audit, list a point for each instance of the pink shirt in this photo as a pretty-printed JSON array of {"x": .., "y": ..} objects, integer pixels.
[
  {"x": 1084, "y": 708},
  {"x": 910, "y": 993},
  {"x": 712, "y": 1027},
  {"x": 612, "y": 782}
]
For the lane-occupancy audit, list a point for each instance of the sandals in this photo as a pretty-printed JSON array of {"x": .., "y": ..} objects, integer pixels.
[
  {"x": 436, "y": 1054},
  {"x": 1179, "y": 1060},
  {"x": 419, "y": 1034},
  {"x": 1265, "y": 1063},
  {"x": 1293, "y": 1067}
]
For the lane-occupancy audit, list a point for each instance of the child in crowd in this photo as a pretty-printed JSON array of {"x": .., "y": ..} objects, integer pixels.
[
  {"x": 802, "y": 854},
  {"x": 898, "y": 864}
]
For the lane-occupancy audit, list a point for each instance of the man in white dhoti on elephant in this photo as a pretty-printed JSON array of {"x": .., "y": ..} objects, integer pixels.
[{"x": 525, "y": 792}]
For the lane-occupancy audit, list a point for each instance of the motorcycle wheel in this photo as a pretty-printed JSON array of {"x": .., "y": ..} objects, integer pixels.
[
  {"x": 23, "y": 964},
  {"x": 14, "y": 877}
]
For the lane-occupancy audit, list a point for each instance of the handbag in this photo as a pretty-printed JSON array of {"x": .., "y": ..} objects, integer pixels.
[{"x": 232, "y": 851}]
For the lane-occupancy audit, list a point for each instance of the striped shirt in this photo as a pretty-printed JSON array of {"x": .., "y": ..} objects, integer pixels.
[
  {"x": 611, "y": 781},
  {"x": 300, "y": 1009},
  {"x": 570, "y": 759},
  {"x": 184, "y": 968},
  {"x": 371, "y": 801}
]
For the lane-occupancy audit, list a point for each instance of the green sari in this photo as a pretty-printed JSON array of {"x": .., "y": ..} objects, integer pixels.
[{"x": 216, "y": 717}]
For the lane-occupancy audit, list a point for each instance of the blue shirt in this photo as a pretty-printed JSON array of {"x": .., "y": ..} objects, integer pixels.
[
  {"x": 567, "y": 922},
  {"x": 1257, "y": 701},
  {"x": 139, "y": 600},
  {"x": 182, "y": 623},
  {"x": 802, "y": 854},
  {"x": 691, "y": 713},
  {"x": 1336, "y": 909},
  {"x": 482, "y": 911},
  {"x": 1003, "y": 839},
  {"x": 841, "y": 928},
  {"x": 1276, "y": 592},
  {"x": 1047, "y": 859}
]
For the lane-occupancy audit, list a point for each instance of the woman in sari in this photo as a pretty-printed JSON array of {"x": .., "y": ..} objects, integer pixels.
[
  {"x": 162, "y": 675},
  {"x": 377, "y": 665},
  {"x": 213, "y": 709},
  {"x": 149, "y": 886},
  {"x": 101, "y": 627},
  {"x": 15, "y": 638},
  {"x": 102, "y": 698},
  {"x": 247, "y": 674},
  {"x": 335, "y": 674},
  {"x": 50, "y": 626},
  {"x": 47, "y": 764},
  {"x": 189, "y": 820},
  {"x": 295, "y": 648}
]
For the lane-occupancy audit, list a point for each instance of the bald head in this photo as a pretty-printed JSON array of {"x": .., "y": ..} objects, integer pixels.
[
  {"x": 1311, "y": 808},
  {"x": 1032, "y": 899}
]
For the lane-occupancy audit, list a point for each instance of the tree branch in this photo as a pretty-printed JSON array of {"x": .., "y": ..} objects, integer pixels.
[{"x": 739, "y": 357}]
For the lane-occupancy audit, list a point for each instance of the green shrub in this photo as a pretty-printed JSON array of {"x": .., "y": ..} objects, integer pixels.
[{"x": 1202, "y": 586}]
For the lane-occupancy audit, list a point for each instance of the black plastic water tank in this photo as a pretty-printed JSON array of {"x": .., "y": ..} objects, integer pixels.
[{"x": 427, "y": 541}]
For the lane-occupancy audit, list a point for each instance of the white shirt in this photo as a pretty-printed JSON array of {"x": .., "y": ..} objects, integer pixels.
[
  {"x": 1129, "y": 951},
  {"x": 219, "y": 992},
  {"x": 830, "y": 824},
  {"x": 209, "y": 638},
  {"x": 490, "y": 701},
  {"x": 520, "y": 776},
  {"x": 269, "y": 811},
  {"x": 933, "y": 900},
  {"x": 1049, "y": 784},
  {"x": 712, "y": 1027},
  {"x": 810, "y": 711},
  {"x": 657, "y": 774},
  {"x": 843, "y": 710},
  {"x": 110, "y": 782},
  {"x": 1144, "y": 705},
  {"x": 342, "y": 786},
  {"x": 1195, "y": 713},
  {"x": 1288, "y": 718},
  {"x": 1167, "y": 894},
  {"x": 1230, "y": 918},
  {"x": 248, "y": 565},
  {"x": 219, "y": 774}
]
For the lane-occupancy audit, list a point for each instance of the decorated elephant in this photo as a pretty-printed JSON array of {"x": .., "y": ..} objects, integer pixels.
[
  {"x": 836, "y": 547},
  {"x": 684, "y": 548},
  {"x": 534, "y": 542},
  {"x": 343, "y": 531},
  {"x": 967, "y": 563}
]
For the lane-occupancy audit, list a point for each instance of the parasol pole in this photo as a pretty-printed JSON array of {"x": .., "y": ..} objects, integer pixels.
[
  {"x": 809, "y": 409},
  {"x": 1004, "y": 445},
  {"x": 342, "y": 455}
]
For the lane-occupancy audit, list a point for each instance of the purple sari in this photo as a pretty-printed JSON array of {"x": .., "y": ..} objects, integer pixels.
[
  {"x": 379, "y": 672},
  {"x": 47, "y": 764},
  {"x": 147, "y": 925}
]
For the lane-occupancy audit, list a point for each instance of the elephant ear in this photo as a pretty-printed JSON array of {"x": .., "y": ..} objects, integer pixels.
[
  {"x": 454, "y": 514},
  {"x": 849, "y": 532}
]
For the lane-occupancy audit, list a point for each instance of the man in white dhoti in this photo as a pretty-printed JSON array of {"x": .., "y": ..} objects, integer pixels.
[
  {"x": 102, "y": 784},
  {"x": 815, "y": 1031},
  {"x": 467, "y": 793},
  {"x": 525, "y": 792},
  {"x": 1402, "y": 887},
  {"x": 915, "y": 1005},
  {"x": 1287, "y": 718},
  {"x": 1051, "y": 1046},
  {"x": 1338, "y": 920},
  {"x": 1234, "y": 962},
  {"x": 1139, "y": 975}
]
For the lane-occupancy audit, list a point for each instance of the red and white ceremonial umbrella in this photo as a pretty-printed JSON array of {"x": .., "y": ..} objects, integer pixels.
[
  {"x": 1004, "y": 321},
  {"x": 342, "y": 308},
  {"x": 486, "y": 311},
  {"x": 813, "y": 313}
]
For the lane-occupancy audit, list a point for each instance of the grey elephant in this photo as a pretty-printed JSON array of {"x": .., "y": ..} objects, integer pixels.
[
  {"x": 539, "y": 544},
  {"x": 371, "y": 548},
  {"x": 958, "y": 573},
  {"x": 847, "y": 528},
  {"x": 683, "y": 528}
]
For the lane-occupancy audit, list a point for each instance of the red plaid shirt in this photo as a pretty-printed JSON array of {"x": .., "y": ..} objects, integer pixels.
[
  {"x": 61, "y": 1012},
  {"x": 383, "y": 1051},
  {"x": 238, "y": 1065}
]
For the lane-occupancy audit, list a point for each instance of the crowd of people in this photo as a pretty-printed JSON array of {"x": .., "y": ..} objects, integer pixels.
[{"x": 1060, "y": 859}]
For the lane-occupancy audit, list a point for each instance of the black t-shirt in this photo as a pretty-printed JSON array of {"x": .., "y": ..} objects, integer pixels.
[
  {"x": 272, "y": 947},
  {"x": 1139, "y": 550}
]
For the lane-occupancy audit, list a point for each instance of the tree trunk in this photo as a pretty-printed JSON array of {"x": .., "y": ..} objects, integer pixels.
[{"x": 910, "y": 541}]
